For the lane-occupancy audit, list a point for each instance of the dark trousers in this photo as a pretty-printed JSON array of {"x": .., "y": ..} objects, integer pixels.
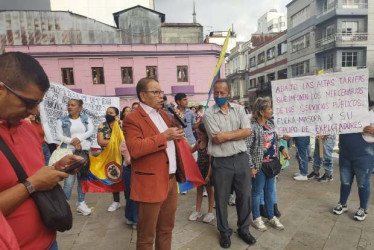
[{"x": 233, "y": 172}]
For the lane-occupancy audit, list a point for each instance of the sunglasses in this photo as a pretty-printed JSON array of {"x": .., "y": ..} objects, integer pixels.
[{"x": 29, "y": 103}]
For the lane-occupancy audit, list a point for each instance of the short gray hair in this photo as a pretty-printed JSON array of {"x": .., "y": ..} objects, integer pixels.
[{"x": 261, "y": 104}]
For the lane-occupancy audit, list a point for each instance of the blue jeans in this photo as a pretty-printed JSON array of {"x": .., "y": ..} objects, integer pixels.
[
  {"x": 261, "y": 184},
  {"x": 275, "y": 194},
  {"x": 131, "y": 209},
  {"x": 302, "y": 153},
  {"x": 68, "y": 187},
  {"x": 361, "y": 167},
  {"x": 54, "y": 246},
  {"x": 328, "y": 147},
  {"x": 46, "y": 153}
]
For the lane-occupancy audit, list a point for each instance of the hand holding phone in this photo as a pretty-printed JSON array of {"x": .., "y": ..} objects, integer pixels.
[{"x": 76, "y": 165}]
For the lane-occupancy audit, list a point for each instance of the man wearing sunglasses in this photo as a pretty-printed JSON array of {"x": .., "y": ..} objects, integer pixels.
[
  {"x": 23, "y": 84},
  {"x": 150, "y": 136}
]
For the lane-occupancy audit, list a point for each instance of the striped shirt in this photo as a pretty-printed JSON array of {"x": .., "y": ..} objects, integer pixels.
[{"x": 216, "y": 121}]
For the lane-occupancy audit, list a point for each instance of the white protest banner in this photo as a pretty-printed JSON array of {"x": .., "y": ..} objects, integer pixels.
[
  {"x": 54, "y": 106},
  {"x": 335, "y": 103}
]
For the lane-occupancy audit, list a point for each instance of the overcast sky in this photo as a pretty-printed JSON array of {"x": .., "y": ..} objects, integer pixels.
[{"x": 221, "y": 14}]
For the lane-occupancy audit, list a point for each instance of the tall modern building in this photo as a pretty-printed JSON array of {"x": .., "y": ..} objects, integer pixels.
[
  {"x": 272, "y": 22},
  {"x": 330, "y": 35}
]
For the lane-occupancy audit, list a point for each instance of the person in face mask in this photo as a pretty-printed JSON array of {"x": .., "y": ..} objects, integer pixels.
[
  {"x": 227, "y": 127},
  {"x": 103, "y": 137}
]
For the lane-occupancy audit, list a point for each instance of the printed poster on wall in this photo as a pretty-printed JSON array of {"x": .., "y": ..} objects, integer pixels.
[
  {"x": 335, "y": 103},
  {"x": 54, "y": 106}
]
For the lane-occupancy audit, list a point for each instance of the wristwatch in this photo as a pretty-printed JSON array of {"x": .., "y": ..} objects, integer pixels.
[{"x": 29, "y": 187}]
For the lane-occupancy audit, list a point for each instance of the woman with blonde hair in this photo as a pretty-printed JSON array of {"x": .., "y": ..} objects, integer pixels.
[{"x": 262, "y": 146}]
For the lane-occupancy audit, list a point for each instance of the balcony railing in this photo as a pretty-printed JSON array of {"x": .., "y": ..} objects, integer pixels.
[
  {"x": 330, "y": 41},
  {"x": 335, "y": 6},
  {"x": 355, "y": 6}
]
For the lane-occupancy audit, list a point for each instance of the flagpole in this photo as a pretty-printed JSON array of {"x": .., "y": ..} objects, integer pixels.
[{"x": 218, "y": 67}]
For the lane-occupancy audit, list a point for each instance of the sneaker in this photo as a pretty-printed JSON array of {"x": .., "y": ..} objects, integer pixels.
[
  {"x": 184, "y": 193},
  {"x": 296, "y": 174},
  {"x": 83, "y": 209},
  {"x": 300, "y": 177},
  {"x": 194, "y": 216},
  {"x": 205, "y": 193},
  {"x": 276, "y": 223},
  {"x": 114, "y": 206},
  {"x": 232, "y": 200},
  {"x": 360, "y": 215},
  {"x": 134, "y": 226},
  {"x": 259, "y": 224},
  {"x": 313, "y": 175},
  {"x": 129, "y": 222},
  {"x": 208, "y": 217},
  {"x": 325, "y": 178},
  {"x": 339, "y": 209}
]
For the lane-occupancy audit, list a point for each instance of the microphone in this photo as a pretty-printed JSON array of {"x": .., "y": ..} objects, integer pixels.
[{"x": 171, "y": 110}]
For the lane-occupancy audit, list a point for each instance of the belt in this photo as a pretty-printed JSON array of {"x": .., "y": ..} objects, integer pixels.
[{"x": 171, "y": 176}]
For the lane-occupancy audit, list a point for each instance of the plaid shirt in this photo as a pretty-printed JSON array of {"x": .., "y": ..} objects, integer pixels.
[{"x": 255, "y": 144}]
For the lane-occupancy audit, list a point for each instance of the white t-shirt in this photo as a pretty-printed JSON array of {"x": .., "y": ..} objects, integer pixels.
[{"x": 77, "y": 130}]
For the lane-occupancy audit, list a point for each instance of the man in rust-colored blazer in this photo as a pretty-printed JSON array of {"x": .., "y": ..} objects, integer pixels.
[{"x": 154, "y": 166}]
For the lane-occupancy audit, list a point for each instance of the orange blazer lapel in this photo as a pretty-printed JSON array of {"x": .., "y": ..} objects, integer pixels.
[{"x": 148, "y": 119}]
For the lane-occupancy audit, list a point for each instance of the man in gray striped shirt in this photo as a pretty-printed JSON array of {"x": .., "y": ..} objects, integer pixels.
[{"x": 227, "y": 126}]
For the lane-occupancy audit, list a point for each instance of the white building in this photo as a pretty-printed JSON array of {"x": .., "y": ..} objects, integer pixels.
[
  {"x": 218, "y": 37},
  {"x": 98, "y": 9},
  {"x": 272, "y": 22}
]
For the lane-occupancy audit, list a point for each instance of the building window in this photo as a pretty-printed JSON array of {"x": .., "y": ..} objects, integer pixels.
[
  {"x": 126, "y": 73},
  {"x": 270, "y": 53},
  {"x": 301, "y": 68},
  {"x": 300, "y": 17},
  {"x": 300, "y": 43},
  {"x": 282, "y": 48},
  {"x": 182, "y": 73},
  {"x": 261, "y": 58},
  {"x": 98, "y": 75},
  {"x": 270, "y": 77},
  {"x": 252, "y": 62},
  {"x": 282, "y": 74},
  {"x": 261, "y": 80},
  {"x": 349, "y": 27},
  {"x": 67, "y": 76},
  {"x": 328, "y": 5},
  {"x": 252, "y": 83},
  {"x": 349, "y": 59},
  {"x": 328, "y": 61},
  {"x": 328, "y": 32},
  {"x": 151, "y": 71}
]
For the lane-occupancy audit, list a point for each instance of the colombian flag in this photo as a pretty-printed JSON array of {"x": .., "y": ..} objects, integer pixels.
[
  {"x": 106, "y": 171},
  {"x": 193, "y": 174}
]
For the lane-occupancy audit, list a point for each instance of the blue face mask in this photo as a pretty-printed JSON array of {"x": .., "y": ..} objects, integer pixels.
[{"x": 220, "y": 101}]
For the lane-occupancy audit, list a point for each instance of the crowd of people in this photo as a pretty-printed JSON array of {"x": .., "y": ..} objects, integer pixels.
[{"x": 238, "y": 152}]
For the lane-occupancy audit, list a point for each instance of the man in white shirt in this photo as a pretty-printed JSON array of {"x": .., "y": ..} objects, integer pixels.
[{"x": 155, "y": 166}]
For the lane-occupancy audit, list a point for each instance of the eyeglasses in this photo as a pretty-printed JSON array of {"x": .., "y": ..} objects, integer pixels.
[
  {"x": 155, "y": 92},
  {"x": 29, "y": 103}
]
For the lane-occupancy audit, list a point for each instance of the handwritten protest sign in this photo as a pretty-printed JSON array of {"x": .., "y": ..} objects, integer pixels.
[
  {"x": 54, "y": 106},
  {"x": 334, "y": 103}
]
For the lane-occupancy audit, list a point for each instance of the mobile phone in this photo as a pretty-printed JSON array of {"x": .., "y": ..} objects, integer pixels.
[{"x": 70, "y": 169}]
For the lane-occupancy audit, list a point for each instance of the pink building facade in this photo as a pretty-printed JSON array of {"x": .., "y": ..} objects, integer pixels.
[{"x": 114, "y": 70}]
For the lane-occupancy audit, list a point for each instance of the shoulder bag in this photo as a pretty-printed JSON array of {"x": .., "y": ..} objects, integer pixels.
[
  {"x": 52, "y": 205},
  {"x": 271, "y": 168}
]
